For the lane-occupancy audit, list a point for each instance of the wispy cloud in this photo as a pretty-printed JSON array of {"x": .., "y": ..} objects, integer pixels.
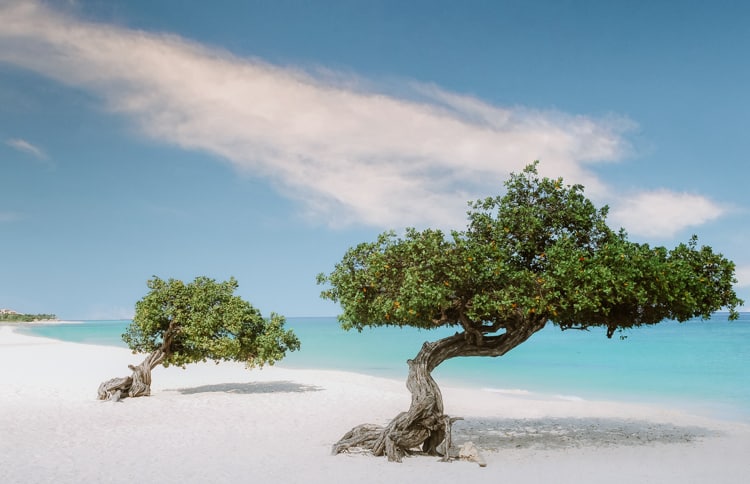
[
  {"x": 103, "y": 311},
  {"x": 743, "y": 283},
  {"x": 26, "y": 147},
  {"x": 9, "y": 217},
  {"x": 350, "y": 152},
  {"x": 743, "y": 276},
  {"x": 664, "y": 213}
]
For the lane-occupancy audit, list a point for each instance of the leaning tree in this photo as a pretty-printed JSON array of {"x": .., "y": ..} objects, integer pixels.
[
  {"x": 178, "y": 323},
  {"x": 541, "y": 253}
]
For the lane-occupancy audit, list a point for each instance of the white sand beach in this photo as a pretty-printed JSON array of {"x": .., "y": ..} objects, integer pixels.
[{"x": 222, "y": 423}]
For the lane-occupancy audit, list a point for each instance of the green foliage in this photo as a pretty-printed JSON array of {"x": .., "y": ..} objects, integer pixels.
[
  {"x": 22, "y": 318},
  {"x": 204, "y": 320},
  {"x": 541, "y": 250}
]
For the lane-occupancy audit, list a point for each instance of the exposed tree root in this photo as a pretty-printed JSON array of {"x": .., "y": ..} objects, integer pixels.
[
  {"x": 138, "y": 384},
  {"x": 399, "y": 439},
  {"x": 362, "y": 436}
]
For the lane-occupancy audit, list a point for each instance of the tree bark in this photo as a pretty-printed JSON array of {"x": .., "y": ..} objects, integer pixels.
[
  {"x": 138, "y": 384},
  {"x": 425, "y": 426}
]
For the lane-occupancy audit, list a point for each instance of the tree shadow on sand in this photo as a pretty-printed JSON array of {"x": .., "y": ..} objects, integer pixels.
[
  {"x": 252, "y": 388},
  {"x": 559, "y": 433}
]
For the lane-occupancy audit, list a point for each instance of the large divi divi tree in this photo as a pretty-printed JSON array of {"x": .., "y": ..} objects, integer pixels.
[
  {"x": 541, "y": 253},
  {"x": 178, "y": 323}
]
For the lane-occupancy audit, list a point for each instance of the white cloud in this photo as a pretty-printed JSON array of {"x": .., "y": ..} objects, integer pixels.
[
  {"x": 349, "y": 152},
  {"x": 743, "y": 283},
  {"x": 9, "y": 217},
  {"x": 663, "y": 213},
  {"x": 743, "y": 276},
  {"x": 104, "y": 312},
  {"x": 26, "y": 147}
]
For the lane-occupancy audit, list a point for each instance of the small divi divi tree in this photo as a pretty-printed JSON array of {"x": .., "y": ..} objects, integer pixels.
[
  {"x": 542, "y": 253},
  {"x": 178, "y": 323}
]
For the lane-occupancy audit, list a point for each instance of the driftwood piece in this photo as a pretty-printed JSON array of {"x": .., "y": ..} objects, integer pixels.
[
  {"x": 448, "y": 442},
  {"x": 470, "y": 452}
]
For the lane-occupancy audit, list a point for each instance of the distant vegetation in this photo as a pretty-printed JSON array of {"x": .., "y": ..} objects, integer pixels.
[{"x": 21, "y": 318}]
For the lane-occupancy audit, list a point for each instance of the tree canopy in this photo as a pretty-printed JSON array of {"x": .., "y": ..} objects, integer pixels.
[
  {"x": 540, "y": 251},
  {"x": 178, "y": 323},
  {"x": 203, "y": 320}
]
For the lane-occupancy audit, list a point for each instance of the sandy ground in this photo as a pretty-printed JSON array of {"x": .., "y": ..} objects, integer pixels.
[{"x": 222, "y": 423}]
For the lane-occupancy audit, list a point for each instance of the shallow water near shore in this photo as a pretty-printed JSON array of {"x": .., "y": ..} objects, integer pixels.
[{"x": 700, "y": 366}]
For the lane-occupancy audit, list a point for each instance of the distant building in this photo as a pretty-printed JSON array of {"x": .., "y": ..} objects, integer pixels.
[{"x": 8, "y": 311}]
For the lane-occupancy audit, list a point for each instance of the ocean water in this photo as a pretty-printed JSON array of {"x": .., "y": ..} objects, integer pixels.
[{"x": 701, "y": 366}]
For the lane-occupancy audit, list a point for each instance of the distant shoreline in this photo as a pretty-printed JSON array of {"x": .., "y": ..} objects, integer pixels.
[
  {"x": 39, "y": 321},
  {"x": 11, "y": 316}
]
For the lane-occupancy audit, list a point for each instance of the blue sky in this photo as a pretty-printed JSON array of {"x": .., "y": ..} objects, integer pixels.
[{"x": 261, "y": 139}]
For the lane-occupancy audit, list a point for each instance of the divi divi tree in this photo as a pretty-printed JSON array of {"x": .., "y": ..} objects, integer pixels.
[
  {"x": 178, "y": 323},
  {"x": 540, "y": 254}
]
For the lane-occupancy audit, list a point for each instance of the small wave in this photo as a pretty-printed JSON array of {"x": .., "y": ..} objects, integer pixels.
[
  {"x": 507, "y": 391},
  {"x": 569, "y": 398}
]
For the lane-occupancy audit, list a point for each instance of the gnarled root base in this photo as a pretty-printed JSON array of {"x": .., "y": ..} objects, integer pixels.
[
  {"x": 360, "y": 437},
  {"x": 401, "y": 437},
  {"x": 136, "y": 385},
  {"x": 114, "y": 389}
]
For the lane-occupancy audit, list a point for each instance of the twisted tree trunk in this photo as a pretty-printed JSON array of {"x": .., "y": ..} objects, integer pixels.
[
  {"x": 138, "y": 384},
  {"x": 425, "y": 424}
]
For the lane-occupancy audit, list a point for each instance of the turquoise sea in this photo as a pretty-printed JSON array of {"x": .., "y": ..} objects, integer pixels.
[{"x": 702, "y": 366}]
